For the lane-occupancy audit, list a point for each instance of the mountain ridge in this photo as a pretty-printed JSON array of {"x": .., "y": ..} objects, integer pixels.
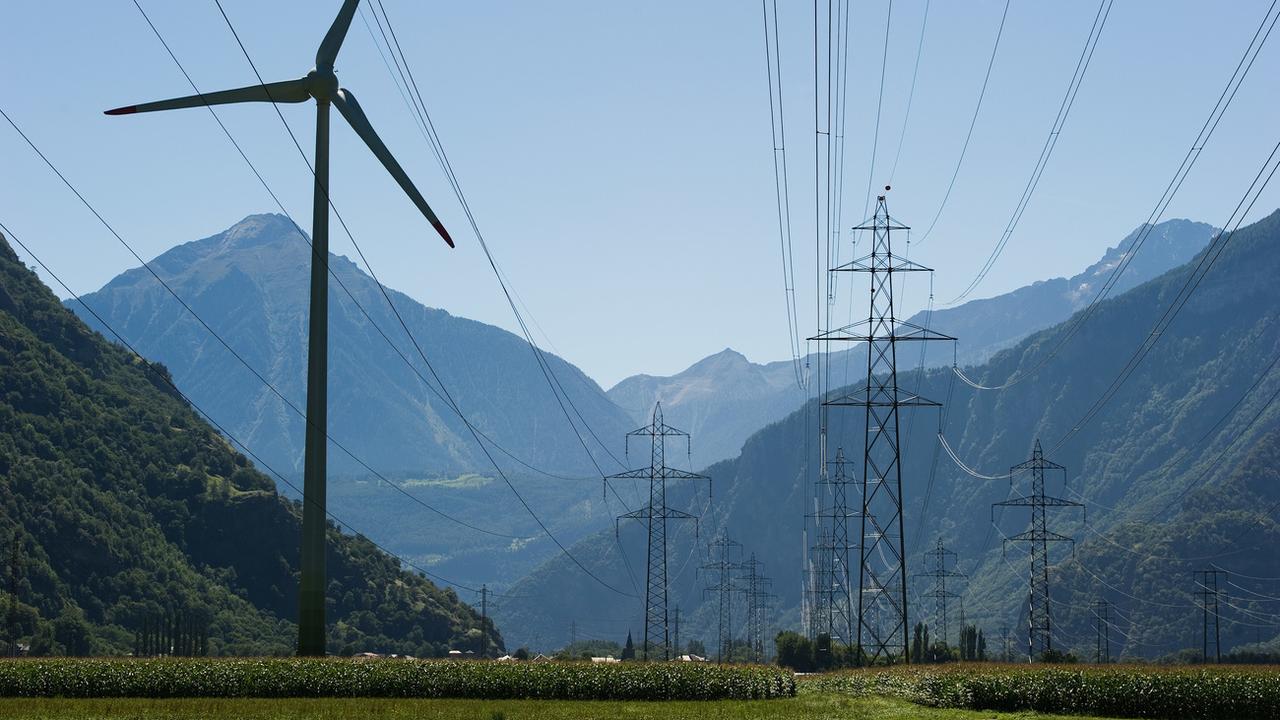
[{"x": 751, "y": 395}]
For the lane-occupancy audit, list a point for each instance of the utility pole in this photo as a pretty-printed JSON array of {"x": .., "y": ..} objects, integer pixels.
[
  {"x": 654, "y": 516},
  {"x": 675, "y": 633},
  {"x": 1210, "y": 594},
  {"x": 1039, "y": 617},
  {"x": 882, "y": 631},
  {"x": 1102, "y": 618},
  {"x": 834, "y": 587},
  {"x": 484, "y": 620},
  {"x": 1008, "y": 643},
  {"x": 937, "y": 558},
  {"x": 573, "y": 633},
  {"x": 722, "y": 551}
]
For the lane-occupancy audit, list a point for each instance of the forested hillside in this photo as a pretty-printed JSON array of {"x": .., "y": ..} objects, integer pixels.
[
  {"x": 126, "y": 505},
  {"x": 1174, "y": 473}
]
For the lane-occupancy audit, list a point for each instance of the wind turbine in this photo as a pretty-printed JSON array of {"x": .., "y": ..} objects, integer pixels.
[{"x": 321, "y": 84}]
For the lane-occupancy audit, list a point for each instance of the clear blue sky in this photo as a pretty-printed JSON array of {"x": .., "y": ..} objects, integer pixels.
[{"x": 617, "y": 154}]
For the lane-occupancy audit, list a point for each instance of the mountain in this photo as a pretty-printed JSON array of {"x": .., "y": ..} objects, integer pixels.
[
  {"x": 250, "y": 284},
  {"x": 119, "y": 503},
  {"x": 1176, "y": 477},
  {"x": 724, "y": 398}
]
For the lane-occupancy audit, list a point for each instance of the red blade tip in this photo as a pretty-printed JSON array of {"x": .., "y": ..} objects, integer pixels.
[
  {"x": 127, "y": 110},
  {"x": 443, "y": 233}
]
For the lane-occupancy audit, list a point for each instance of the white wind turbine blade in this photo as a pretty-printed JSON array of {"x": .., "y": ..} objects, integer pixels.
[
  {"x": 350, "y": 109},
  {"x": 289, "y": 91},
  {"x": 332, "y": 42}
]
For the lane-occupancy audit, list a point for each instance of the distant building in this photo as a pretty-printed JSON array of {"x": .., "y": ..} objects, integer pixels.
[
  {"x": 691, "y": 658},
  {"x": 366, "y": 656},
  {"x": 605, "y": 659}
]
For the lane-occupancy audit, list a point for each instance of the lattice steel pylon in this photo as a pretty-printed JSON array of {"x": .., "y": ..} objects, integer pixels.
[
  {"x": 937, "y": 557},
  {"x": 756, "y": 587},
  {"x": 882, "y": 631},
  {"x": 1102, "y": 624},
  {"x": 654, "y": 517},
  {"x": 833, "y": 587},
  {"x": 1039, "y": 615},
  {"x": 1210, "y": 594},
  {"x": 721, "y": 552}
]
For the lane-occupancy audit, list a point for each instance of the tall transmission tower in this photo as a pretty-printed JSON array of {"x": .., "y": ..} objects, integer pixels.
[
  {"x": 882, "y": 631},
  {"x": 1102, "y": 622},
  {"x": 722, "y": 552},
  {"x": 654, "y": 517},
  {"x": 1210, "y": 595},
  {"x": 756, "y": 587},
  {"x": 938, "y": 559},
  {"x": 833, "y": 589},
  {"x": 1039, "y": 616}
]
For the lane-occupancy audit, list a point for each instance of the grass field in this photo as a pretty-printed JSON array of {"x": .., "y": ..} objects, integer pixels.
[{"x": 808, "y": 706}]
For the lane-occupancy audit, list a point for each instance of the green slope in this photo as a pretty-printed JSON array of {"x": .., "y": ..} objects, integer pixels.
[{"x": 124, "y": 503}]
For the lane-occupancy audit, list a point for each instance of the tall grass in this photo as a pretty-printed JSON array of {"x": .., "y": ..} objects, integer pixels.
[{"x": 297, "y": 677}]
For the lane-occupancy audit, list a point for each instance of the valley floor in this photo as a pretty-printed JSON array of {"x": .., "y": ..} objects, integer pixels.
[{"x": 809, "y": 706}]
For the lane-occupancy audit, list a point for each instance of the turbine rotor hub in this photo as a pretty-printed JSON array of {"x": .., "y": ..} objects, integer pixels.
[{"x": 322, "y": 85}]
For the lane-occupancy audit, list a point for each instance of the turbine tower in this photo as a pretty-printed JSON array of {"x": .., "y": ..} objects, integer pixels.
[{"x": 321, "y": 84}]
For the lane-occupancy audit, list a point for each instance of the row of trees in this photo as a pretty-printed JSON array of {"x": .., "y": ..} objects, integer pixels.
[{"x": 804, "y": 655}]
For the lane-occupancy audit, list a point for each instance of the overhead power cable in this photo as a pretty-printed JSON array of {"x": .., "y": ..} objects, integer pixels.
[
  {"x": 164, "y": 378},
  {"x": 1198, "y": 144},
  {"x": 1194, "y": 277},
  {"x": 977, "y": 109},
  {"x": 382, "y": 288},
  {"x": 442, "y": 157},
  {"x": 782, "y": 193},
  {"x": 915, "y": 73},
  {"x": 1055, "y": 131},
  {"x": 226, "y": 345}
]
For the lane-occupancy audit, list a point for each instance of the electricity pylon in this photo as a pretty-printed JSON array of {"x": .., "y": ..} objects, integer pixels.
[
  {"x": 1039, "y": 615},
  {"x": 756, "y": 586},
  {"x": 882, "y": 632},
  {"x": 1210, "y": 594},
  {"x": 1102, "y": 622},
  {"x": 321, "y": 84},
  {"x": 722, "y": 562},
  {"x": 654, "y": 517},
  {"x": 833, "y": 587},
  {"x": 937, "y": 557}
]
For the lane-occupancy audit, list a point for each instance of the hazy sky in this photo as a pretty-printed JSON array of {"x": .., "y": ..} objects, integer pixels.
[{"x": 617, "y": 155}]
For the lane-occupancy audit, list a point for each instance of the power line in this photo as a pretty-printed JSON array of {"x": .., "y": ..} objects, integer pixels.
[
  {"x": 1162, "y": 203},
  {"x": 782, "y": 194},
  {"x": 222, "y": 341},
  {"x": 447, "y": 396},
  {"x": 154, "y": 369},
  {"x": 1055, "y": 131},
  {"x": 973, "y": 122},
  {"x": 1189, "y": 286},
  {"x": 442, "y": 157},
  {"x": 915, "y": 72}
]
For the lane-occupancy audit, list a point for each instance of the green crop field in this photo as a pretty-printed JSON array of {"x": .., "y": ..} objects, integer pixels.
[
  {"x": 338, "y": 688},
  {"x": 808, "y": 706}
]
